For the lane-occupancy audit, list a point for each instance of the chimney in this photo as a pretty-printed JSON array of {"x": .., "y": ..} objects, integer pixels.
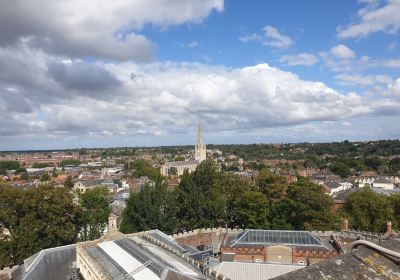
[
  {"x": 389, "y": 228},
  {"x": 345, "y": 225}
]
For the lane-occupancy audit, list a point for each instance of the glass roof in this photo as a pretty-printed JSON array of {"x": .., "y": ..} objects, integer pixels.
[{"x": 285, "y": 237}]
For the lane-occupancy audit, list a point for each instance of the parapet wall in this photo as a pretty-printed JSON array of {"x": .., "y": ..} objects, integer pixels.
[{"x": 206, "y": 230}]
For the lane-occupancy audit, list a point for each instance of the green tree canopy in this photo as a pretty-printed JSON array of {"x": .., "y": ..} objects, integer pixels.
[
  {"x": 38, "y": 218},
  {"x": 368, "y": 210},
  {"x": 95, "y": 211}
]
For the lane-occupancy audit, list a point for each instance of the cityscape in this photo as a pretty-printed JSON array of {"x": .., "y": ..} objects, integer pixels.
[{"x": 204, "y": 139}]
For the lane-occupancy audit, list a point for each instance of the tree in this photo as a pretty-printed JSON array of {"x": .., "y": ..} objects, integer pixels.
[
  {"x": 44, "y": 177},
  {"x": 8, "y": 165},
  {"x": 273, "y": 186},
  {"x": 341, "y": 169},
  {"x": 37, "y": 218},
  {"x": 24, "y": 176},
  {"x": 40, "y": 165},
  {"x": 179, "y": 158},
  {"x": 153, "y": 207},
  {"x": 68, "y": 183},
  {"x": 173, "y": 171},
  {"x": 95, "y": 211},
  {"x": 65, "y": 162},
  {"x": 309, "y": 208},
  {"x": 251, "y": 210},
  {"x": 144, "y": 168},
  {"x": 368, "y": 210},
  {"x": 200, "y": 198}
]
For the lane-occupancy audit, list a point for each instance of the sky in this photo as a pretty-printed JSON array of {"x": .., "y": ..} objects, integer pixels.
[{"x": 124, "y": 73}]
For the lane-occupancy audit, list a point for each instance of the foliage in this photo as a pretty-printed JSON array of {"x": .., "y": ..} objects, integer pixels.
[
  {"x": 8, "y": 165},
  {"x": 68, "y": 183},
  {"x": 41, "y": 165},
  {"x": 179, "y": 158},
  {"x": 368, "y": 210},
  {"x": 152, "y": 207},
  {"x": 144, "y": 168},
  {"x": 95, "y": 211},
  {"x": 65, "y": 162},
  {"x": 38, "y": 218},
  {"x": 310, "y": 207},
  {"x": 199, "y": 196},
  {"x": 44, "y": 177},
  {"x": 341, "y": 169}
]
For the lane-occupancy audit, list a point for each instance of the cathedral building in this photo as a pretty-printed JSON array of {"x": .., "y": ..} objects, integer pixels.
[{"x": 200, "y": 154}]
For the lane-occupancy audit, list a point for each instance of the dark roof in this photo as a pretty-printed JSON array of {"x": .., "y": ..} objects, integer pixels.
[
  {"x": 382, "y": 180},
  {"x": 343, "y": 195},
  {"x": 181, "y": 163}
]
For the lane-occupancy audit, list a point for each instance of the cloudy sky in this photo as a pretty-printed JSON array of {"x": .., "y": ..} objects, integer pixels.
[{"x": 94, "y": 73}]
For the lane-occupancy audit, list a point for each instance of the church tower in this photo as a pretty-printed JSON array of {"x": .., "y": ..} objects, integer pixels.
[{"x": 200, "y": 152}]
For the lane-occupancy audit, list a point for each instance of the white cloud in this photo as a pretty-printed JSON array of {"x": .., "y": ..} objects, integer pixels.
[
  {"x": 96, "y": 28},
  {"x": 374, "y": 18},
  {"x": 342, "y": 52},
  {"x": 363, "y": 80},
  {"x": 250, "y": 37},
  {"x": 392, "y": 63},
  {"x": 271, "y": 37},
  {"x": 299, "y": 59},
  {"x": 276, "y": 39},
  {"x": 193, "y": 44}
]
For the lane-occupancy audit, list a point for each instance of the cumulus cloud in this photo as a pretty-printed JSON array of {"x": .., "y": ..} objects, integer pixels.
[
  {"x": 363, "y": 80},
  {"x": 374, "y": 18},
  {"x": 271, "y": 37},
  {"x": 306, "y": 59},
  {"x": 276, "y": 39},
  {"x": 105, "y": 29},
  {"x": 342, "y": 52}
]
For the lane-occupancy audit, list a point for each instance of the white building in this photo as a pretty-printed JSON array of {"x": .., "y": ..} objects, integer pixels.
[
  {"x": 383, "y": 183},
  {"x": 200, "y": 154}
]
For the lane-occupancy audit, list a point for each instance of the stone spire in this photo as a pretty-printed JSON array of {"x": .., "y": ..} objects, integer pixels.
[
  {"x": 199, "y": 137},
  {"x": 200, "y": 152}
]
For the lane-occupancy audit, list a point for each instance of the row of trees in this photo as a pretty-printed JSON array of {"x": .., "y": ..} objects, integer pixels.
[
  {"x": 45, "y": 217},
  {"x": 211, "y": 198}
]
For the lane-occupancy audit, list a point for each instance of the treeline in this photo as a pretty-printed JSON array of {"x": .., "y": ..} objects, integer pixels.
[
  {"x": 46, "y": 217},
  {"x": 209, "y": 197}
]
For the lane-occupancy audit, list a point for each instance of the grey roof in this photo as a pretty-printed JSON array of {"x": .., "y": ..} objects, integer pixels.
[
  {"x": 97, "y": 182},
  {"x": 182, "y": 163},
  {"x": 48, "y": 264},
  {"x": 273, "y": 237},
  {"x": 382, "y": 180},
  {"x": 254, "y": 271},
  {"x": 167, "y": 240}
]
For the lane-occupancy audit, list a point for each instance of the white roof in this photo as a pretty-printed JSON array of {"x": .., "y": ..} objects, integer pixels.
[
  {"x": 254, "y": 271},
  {"x": 127, "y": 261}
]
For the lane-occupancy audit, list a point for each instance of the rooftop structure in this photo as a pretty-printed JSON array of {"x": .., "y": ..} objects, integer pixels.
[{"x": 283, "y": 237}]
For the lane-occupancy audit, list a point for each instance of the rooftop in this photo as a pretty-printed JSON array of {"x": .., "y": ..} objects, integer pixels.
[{"x": 273, "y": 237}]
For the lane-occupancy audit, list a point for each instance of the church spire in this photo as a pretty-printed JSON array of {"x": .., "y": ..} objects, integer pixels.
[
  {"x": 199, "y": 136},
  {"x": 200, "y": 152}
]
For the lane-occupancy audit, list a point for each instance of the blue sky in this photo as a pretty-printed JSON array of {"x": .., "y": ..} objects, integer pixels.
[{"x": 134, "y": 73}]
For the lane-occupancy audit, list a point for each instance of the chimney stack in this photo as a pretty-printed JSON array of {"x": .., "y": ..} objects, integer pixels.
[
  {"x": 345, "y": 225},
  {"x": 389, "y": 227}
]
